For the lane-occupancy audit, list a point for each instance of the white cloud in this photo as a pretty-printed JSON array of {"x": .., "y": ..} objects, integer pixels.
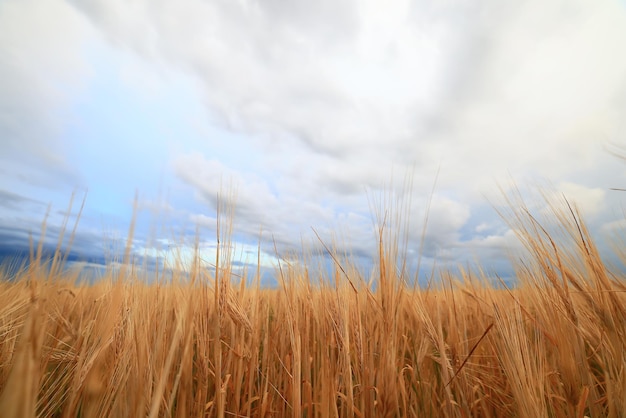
[
  {"x": 445, "y": 220},
  {"x": 482, "y": 227},
  {"x": 590, "y": 201},
  {"x": 614, "y": 226},
  {"x": 42, "y": 68},
  {"x": 203, "y": 220},
  {"x": 181, "y": 255},
  {"x": 332, "y": 97},
  {"x": 486, "y": 89}
]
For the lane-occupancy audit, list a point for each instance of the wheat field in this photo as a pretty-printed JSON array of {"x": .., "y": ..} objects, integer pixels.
[{"x": 213, "y": 344}]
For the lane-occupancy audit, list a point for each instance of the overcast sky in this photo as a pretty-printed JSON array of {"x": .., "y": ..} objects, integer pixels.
[{"x": 311, "y": 111}]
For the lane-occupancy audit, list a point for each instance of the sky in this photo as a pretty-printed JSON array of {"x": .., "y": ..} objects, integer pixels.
[{"x": 311, "y": 115}]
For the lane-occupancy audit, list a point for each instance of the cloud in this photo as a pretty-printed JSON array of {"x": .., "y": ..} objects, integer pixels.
[
  {"x": 41, "y": 71},
  {"x": 590, "y": 201},
  {"x": 614, "y": 226},
  {"x": 332, "y": 98},
  {"x": 345, "y": 224},
  {"x": 181, "y": 254},
  {"x": 332, "y": 77},
  {"x": 284, "y": 219},
  {"x": 486, "y": 89},
  {"x": 87, "y": 245},
  {"x": 251, "y": 196},
  {"x": 545, "y": 97},
  {"x": 156, "y": 207},
  {"x": 445, "y": 220},
  {"x": 13, "y": 201}
]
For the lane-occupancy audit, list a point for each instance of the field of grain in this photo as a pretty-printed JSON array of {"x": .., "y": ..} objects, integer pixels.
[{"x": 212, "y": 345}]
